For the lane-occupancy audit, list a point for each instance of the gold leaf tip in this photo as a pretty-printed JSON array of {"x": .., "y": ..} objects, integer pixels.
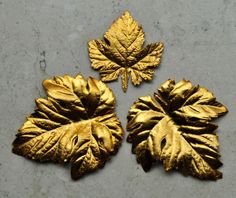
[{"x": 127, "y": 14}]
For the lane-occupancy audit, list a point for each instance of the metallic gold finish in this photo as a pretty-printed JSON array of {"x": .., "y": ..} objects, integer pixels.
[
  {"x": 174, "y": 127},
  {"x": 121, "y": 53},
  {"x": 75, "y": 125}
]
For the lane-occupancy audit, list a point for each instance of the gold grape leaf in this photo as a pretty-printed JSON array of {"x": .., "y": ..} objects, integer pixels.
[
  {"x": 121, "y": 53},
  {"x": 174, "y": 128},
  {"x": 75, "y": 125}
]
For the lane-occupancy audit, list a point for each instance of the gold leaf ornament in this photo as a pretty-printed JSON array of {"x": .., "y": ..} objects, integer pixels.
[
  {"x": 174, "y": 127},
  {"x": 121, "y": 53},
  {"x": 75, "y": 125}
]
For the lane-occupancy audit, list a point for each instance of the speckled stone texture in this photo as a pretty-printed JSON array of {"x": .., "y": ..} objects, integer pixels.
[{"x": 40, "y": 39}]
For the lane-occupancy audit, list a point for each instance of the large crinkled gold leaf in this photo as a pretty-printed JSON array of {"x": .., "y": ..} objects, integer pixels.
[
  {"x": 174, "y": 127},
  {"x": 75, "y": 125},
  {"x": 121, "y": 53}
]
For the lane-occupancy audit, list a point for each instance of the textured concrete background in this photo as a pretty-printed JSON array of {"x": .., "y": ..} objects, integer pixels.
[{"x": 39, "y": 39}]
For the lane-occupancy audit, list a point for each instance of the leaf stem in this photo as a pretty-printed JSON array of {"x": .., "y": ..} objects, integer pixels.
[{"x": 124, "y": 79}]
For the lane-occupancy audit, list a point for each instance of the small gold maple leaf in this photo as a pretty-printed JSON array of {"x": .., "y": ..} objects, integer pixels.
[
  {"x": 121, "y": 53},
  {"x": 75, "y": 125},
  {"x": 174, "y": 127}
]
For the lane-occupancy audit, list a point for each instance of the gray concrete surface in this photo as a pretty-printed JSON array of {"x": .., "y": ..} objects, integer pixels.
[{"x": 200, "y": 41}]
